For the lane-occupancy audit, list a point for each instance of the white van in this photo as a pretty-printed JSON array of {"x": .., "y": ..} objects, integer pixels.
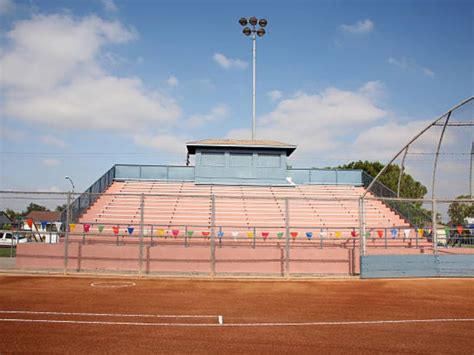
[{"x": 8, "y": 238}]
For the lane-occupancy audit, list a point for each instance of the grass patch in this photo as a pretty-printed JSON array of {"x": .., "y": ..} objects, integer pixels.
[{"x": 5, "y": 252}]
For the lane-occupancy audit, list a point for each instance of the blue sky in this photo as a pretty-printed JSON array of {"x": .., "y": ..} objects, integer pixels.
[{"x": 86, "y": 84}]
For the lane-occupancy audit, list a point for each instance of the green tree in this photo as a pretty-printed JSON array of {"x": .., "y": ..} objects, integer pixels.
[
  {"x": 12, "y": 214},
  {"x": 458, "y": 211},
  {"x": 61, "y": 208},
  {"x": 34, "y": 207},
  {"x": 409, "y": 187}
]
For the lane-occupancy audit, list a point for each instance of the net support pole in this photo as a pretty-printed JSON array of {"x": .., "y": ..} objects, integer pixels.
[
  {"x": 213, "y": 236},
  {"x": 140, "y": 244},
  {"x": 471, "y": 175},
  {"x": 287, "y": 239},
  {"x": 66, "y": 242}
]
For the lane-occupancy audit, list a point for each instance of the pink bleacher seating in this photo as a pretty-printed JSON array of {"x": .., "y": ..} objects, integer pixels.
[{"x": 189, "y": 204}]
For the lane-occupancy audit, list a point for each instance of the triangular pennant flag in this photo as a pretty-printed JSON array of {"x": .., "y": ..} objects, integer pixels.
[
  {"x": 115, "y": 229},
  {"x": 175, "y": 232},
  {"x": 220, "y": 234},
  {"x": 130, "y": 230},
  {"x": 420, "y": 232},
  {"x": 309, "y": 235},
  {"x": 29, "y": 222},
  {"x": 235, "y": 234},
  {"x": 100, "y": 227},
  {"x": 265, "y": 235},
  {"x": 205, "y": 233},
  {"x": 294, "y": 235},
  {"x": 250, "y": 234},
  {"x": 367, "y": 234},
  {"x": 353, "y": 233},
  {"x": 338, "y": 234},
  {"x": 44, "y": 224},
  {"x": 459, "y": 229},
  {"x": 323, "y": 233},
  {"x": 72, "y": 227},
  {"x": 394, "y": 232},
  {"x": 86, "y": 228},
  {"x": 446, "y": 231},
  {"x": 406, "y": 232},
  {"x": 58, "y": 225},
  {"x": 190, "y": 233},
  {"x": 161, "y": 232},
  {"x": 380, "y": 233},
  {"x": 280, "y": 235}
]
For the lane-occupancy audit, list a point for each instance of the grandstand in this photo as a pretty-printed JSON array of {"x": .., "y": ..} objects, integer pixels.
[
  {"x": 240, "y": 210},
  {"x": 185, "y": 203}
]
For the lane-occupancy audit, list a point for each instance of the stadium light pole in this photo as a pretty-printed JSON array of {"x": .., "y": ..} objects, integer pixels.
[
  {"x": 72, "y": 183},
  {"x": 253, "y": 28},
  {"x": 470, "y": 170}
]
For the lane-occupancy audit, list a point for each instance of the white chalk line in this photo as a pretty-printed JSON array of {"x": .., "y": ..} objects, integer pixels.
[
  {"x": 111, "y": 314},
  {"x": 377, "y": 322},
  {"x": 113, "y": 284}
]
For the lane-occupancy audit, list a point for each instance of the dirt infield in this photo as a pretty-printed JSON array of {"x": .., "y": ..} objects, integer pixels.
[{"x": 97, "y": 315}]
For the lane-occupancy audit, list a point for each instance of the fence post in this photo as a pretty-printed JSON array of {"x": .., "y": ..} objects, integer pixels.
[
  {"x": 140, "y": 245},
  {"x": 362, "y": 228},
  {"x": 213, "y": 235},
  {"x": 434, "y": 234},
  {"x": 66, "y": 242},
  {"x": 254, "y": 237},
  {"x": 287, "y": 239}
]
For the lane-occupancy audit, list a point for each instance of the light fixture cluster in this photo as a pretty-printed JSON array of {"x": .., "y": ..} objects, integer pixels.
[{"x": 252, "y": 28}]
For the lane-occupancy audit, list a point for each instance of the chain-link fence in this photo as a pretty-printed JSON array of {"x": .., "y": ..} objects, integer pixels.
[{"x": 214, "y": 235}]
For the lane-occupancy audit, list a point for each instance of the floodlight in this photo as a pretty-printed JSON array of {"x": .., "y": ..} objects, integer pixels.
[
  {"x": 263, "y": 22},
  {"x": 243, "y": 21},
  {"x": 253, "y": 20},
  {"x": 260, "y": 32},
  {"x": 247, "y": 31}
]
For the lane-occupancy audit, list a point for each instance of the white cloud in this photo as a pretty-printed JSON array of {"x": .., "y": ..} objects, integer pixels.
[
  {"x": 52, "y": 75},
  {"x": 275, "y": 95},
  {"x": 228, "y": 63},
  {"x": 164, "y": 142},
  {"x": 217, "y": 113},
  {"x": 6, "y": 6},
  {"x": 321, "y": 123},
  {"x": 172, "y": 81},
  {"x": 110, "y": 5},
  {"x": 410, "y": 64},
  {"x": 360, "y": 27},
  {"x": 50, "y": 162},
  {"x": 52, "y": 140}
]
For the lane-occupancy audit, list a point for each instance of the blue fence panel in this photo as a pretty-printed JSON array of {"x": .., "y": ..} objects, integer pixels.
[
  {"x": 181, "y": 173},
  {"x": 127, "y": 171},
  {"x": 456, "y": 265},
  {"x": 349, "y": 177},
  {"x": 299, "y": 176},
  {"x": 399, "y": 266},
  {"x": 323, "y": 177},
  {"x": 154, "y": 172}
]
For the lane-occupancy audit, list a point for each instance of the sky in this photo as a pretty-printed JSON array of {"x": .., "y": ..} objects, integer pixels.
[{"x": 90, "y": 83}]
